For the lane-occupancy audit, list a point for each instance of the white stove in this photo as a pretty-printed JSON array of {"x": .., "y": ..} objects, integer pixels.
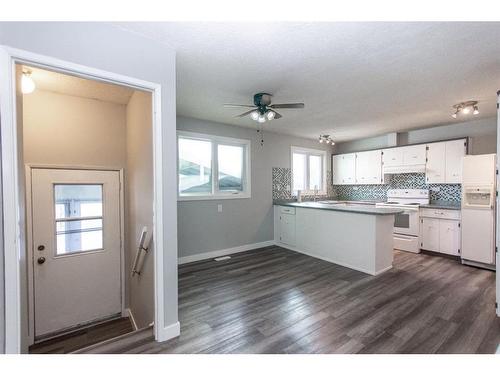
[{"x": 406, "y": 224}]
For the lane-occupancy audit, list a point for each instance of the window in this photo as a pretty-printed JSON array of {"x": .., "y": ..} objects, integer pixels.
[
  {"x": 308, "y": 170},
  {"x": 211, "y": 167},
  {"x": 78, "y": 218}
]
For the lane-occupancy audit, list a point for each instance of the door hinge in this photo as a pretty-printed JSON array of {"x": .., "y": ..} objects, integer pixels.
[
  {"x": 382, "y": 152},
  {"x": 421, "y": 244},
  {"x": 459, "y": 251},
  {"x": 426, "y": 147},
  {"x": 496, "y": 249},
  {"x": 459, "y": 225},
  {"x": 496, "y": 305},
  {"x": 426, "y": 160}
]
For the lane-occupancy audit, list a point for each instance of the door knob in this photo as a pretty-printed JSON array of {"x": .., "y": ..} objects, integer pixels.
[{"x": 41, "y": 260}]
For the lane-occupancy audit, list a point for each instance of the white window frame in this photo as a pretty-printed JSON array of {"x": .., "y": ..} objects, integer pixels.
[
  {"x": 310, "y": 152},
  {"x": 215, "y": 194}
]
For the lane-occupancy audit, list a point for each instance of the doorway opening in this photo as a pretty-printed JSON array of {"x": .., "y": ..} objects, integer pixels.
[{"x": 87, "y": 152}]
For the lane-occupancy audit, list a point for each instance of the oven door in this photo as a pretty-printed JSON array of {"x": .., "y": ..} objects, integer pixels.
[{"x": 407, "y": 222}]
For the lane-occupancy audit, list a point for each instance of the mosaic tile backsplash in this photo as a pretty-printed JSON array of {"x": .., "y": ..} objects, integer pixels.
[
  {"x": 282, "y": 179},
  {"x": 282, "y": 182}
]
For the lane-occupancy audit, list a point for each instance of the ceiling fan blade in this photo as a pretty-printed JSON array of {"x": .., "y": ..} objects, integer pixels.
[
  {"x": 245, "y": 114},
  {"x": 240, "y": 105},
  {"x": 287, "y": 105}
]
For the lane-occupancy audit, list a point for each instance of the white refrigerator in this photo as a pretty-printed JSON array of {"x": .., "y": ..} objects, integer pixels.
[{"x": 478, "y": 210}]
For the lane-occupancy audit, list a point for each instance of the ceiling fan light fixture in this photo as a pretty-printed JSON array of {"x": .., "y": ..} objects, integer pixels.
[
  {"x": 327, "y": 139},
  {"x": 270, "y": 115},
  {"x": 261, "y": 119},
  {"x": 254, "y": 115},
  {"x": 476, "y": 110}
]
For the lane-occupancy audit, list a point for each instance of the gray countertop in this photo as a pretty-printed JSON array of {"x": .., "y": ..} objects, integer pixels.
[
  {"x": 358, "y": 207},
  {"x": 443, "y": 205}
]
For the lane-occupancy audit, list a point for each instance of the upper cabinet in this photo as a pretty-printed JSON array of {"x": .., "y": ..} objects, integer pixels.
[
  {"x": 369, "y": 167},
  {"x": 344, "y": 169},
  {"x": 441, "y": 162},
  {"x": 444, "y": 162}
]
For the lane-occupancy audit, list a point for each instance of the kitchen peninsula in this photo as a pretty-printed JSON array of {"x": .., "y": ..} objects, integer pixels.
[{"x": 358, "y": 236}]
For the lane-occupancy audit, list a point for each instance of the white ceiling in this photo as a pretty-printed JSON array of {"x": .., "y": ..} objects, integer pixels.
[
  {"x": 70, "y": 85},
  {"x": 356, "y": 79}
]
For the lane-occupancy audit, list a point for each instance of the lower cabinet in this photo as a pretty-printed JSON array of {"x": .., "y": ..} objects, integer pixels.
[
  {"x": 439, "y": 234},
  {"x": 286, "y": 225}
]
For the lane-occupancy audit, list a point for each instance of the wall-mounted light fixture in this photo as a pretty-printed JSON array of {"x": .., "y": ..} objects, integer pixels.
[
  {"x": 27, "y": 83},
  {"x": 465, "y": 108},
  {"x": 327, "y": 139}
]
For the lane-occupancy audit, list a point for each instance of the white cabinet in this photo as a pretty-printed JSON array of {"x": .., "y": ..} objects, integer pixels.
[
  {"x": 455, "y": 152},
  {"x": 444, "y": 162},
  {"x": 436, "y": 160},
  {"x": 287, "y": 225},
  {"x": 344, "y": 169},
  {"x": 413, "y": 155},
  {"x": 430, "y": 233},
  {"x": 369, "y": 167},
  {"x": 440, "y": 231},
  {"x": 392, "y": 157}
]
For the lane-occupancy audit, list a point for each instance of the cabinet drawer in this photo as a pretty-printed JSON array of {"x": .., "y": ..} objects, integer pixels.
[
  {"x": 440, "y": 213},
  {"x": 287, "y": 210}
]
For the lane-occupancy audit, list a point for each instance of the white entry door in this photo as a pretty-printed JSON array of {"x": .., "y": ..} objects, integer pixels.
[{"x": 76, "y": 248}]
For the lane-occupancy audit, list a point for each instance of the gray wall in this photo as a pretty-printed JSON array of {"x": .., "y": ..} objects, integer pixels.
[
  {"x": 107, "y": 47},
  {"x": 482, "y": 135},
  {"x": 242, "y": 221}
]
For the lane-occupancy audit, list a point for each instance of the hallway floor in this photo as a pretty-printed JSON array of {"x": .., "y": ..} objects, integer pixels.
[{"x": 83, "y": 338}]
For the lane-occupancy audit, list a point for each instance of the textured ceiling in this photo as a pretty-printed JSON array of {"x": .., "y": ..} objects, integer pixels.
[
  {"x": 356, "y": 79},
  {"x": 70, "y": 85}
]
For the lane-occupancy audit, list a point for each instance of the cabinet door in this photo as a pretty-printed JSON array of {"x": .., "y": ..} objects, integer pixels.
[
  {"x": 449, "y": 237},
  {"x": 392, "y": 157},
  {"x": 414, "y": 155},
  {"x": 430, "y": 234},
  {"x": 455, "y": 152},
  {"x": 369, "y": 167},
  {"x": 287, "y": 233},
  {"x": 346, "y": 167},
  {"x": 336, "y": 169},
  {"x": 435, "y": 166}
]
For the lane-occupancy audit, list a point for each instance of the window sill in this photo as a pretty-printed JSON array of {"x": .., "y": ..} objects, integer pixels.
[{"x": 213, "y": 197}]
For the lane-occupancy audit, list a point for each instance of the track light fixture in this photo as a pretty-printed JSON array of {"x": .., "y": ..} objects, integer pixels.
[
  {"x": 465, "y": 108},
  {"x": 327, "y": 139}
]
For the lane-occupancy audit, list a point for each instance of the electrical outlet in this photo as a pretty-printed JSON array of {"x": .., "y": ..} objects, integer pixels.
[{"x": 219, "y": 208}]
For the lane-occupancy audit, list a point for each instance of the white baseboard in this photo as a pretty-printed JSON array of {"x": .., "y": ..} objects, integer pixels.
[
  {"x": 128, "y": 313},
  {"x": 218, "y": 253},
  {"x": 168, "y": 332}
]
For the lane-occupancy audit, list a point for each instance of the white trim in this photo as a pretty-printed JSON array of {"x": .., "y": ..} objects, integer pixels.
[
  {"x": 168, "y": 332},
  {"x": 228, "y": 251},
  {"x": 216, "y": 194},
  {"x": 128, "y": 314},
  {"x": 324, "y": 166},
  {"x": 10, "y": 176}
]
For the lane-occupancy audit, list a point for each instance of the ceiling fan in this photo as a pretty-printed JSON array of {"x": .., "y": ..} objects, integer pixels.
[{"x": 263, "y": 110}]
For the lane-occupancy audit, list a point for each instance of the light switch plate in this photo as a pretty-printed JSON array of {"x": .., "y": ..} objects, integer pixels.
[{"x": 219, "y": 208}]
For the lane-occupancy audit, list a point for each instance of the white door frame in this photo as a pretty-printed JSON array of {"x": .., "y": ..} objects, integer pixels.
[
  {"x": 29, "y": 236},
  {"x": 11, "y": 182}
]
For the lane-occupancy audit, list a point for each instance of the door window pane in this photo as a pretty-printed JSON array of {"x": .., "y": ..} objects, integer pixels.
[
  {"x": 78, "y": 200},
  {"x": 78, "y": 217},
  {"x": 230, "y": 163},
  {"x": 78, "y": 235},
  {"x": 299, "y": 171},
  {"x": 195, "y": 166},
  {"x": 315, "y": 174}
]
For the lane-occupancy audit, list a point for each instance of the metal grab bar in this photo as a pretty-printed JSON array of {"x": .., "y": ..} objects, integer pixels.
[{"x": 141, "y": 253}]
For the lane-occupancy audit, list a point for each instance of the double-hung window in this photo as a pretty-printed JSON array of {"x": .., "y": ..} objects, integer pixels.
[
  {"x": 308, "y": 170},
  {"x": 212, "y": 167}
]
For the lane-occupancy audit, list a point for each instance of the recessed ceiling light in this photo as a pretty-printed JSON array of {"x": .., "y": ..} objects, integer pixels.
[
  {"x": 465, "y": 108},
  {"x": 27, "y": 83}
]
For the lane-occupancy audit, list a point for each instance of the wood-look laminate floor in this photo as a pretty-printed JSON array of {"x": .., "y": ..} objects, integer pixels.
[
  {"x": 83, "y": 337},
  {"x": 274, "y": 300}
]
